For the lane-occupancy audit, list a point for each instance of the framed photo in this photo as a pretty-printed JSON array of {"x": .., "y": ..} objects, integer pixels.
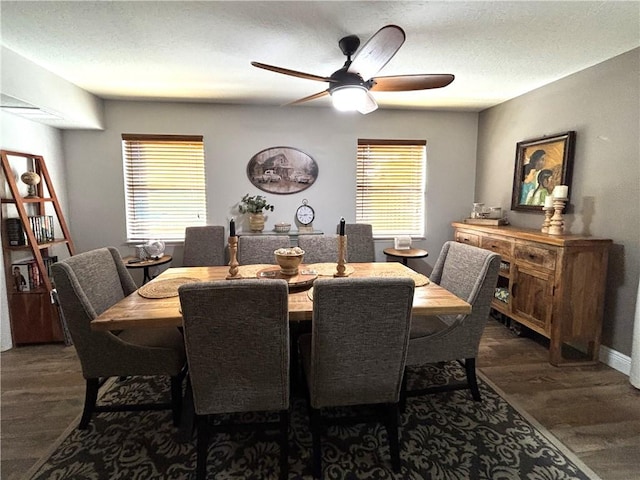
[
  {"x": 20, "y": 276},
  {"x": 282, "y": 170},
  {"x": 541, "y": 164}
]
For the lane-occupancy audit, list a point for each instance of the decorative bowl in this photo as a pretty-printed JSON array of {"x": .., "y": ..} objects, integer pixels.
[
  {"x": 154, "y": 249},
  {"x": 282, "y": 227},
  {"x": 289, "y": 259}
]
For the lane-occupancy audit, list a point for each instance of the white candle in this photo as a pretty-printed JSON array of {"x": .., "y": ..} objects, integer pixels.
[
  {"x": 561, "y": 191},
  {"x": 548, "y": 201}
]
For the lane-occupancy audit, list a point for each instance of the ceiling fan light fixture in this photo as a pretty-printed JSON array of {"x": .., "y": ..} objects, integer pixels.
[{"x": 349, "y": 98}]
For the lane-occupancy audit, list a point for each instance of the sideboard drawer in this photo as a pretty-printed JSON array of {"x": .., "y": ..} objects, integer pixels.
[
  {"x": 468, "y": 238},
  {"x": 542, "y": 257},
  {"x": 501, "y": 247}
]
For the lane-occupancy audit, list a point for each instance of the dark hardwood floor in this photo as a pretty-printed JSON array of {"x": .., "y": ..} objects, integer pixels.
[{"x": 592, "y": 409}]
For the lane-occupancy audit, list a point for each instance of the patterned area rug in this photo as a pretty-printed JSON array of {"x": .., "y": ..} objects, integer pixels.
[{"x": 443, "y": 436}]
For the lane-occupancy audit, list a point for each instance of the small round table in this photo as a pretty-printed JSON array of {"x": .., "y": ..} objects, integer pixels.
[
  {"x": 405, "y": 255},
  {"x": 135, "y": 262}
]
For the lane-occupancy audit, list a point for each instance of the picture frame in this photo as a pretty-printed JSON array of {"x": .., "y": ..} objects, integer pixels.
[
  {"x": 21, "y": 277},
  {"x": 540, "y": 165},
  {"x": 282, "y": 170}
]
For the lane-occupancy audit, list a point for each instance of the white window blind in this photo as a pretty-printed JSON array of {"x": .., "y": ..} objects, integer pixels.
[
  {"x": 164, "y": 185},
  {"x": 390, "y": 192}
]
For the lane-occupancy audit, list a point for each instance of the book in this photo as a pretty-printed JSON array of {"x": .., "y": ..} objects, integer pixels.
[{"x": 15, "y": 232}]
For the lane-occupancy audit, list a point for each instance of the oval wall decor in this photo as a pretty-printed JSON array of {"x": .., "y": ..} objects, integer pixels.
[{"x": 282, "y": 170}]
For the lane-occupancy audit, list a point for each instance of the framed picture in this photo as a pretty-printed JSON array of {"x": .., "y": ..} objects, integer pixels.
[
  {"x": 20, "y": 275},
  {"x": 282, "y": 170},
  {"x": 541, "y": 164}
]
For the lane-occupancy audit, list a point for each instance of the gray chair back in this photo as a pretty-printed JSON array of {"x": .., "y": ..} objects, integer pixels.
[
  {"x": 237, "y": 340},
  {"x": 360, "y": 245},
  {"x": 256, "y": 249},
  {"x": 470, "y": 273},
  {"x": 87, "y": 284},
  {"x": 204, "y": 246},
  {"x": 319, "y": 248},
  {"x": 360, "y": 335}
]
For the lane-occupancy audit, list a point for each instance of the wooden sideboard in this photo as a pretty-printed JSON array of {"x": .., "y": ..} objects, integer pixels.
[{"x": 553, "y": 284}]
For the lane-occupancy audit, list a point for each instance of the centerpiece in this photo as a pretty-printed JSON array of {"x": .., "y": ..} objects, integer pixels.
[
  {"x": 255, "y": 205},
  {"x": 289, "y": 259}
]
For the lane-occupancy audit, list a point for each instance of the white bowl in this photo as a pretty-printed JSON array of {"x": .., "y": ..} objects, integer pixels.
[{"x": 282, "y": 227}]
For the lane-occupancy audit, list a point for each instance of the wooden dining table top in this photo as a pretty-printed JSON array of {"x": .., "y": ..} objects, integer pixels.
[{"x": 138, "y": 311}]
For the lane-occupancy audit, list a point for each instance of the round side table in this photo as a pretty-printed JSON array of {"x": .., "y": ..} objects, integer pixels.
[
  {"x": 405, "y": 255},
  {"x": 135, "y": 262}
]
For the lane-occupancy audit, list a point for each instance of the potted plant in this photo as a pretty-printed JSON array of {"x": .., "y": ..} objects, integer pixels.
[{"x": 255, "y": 205}]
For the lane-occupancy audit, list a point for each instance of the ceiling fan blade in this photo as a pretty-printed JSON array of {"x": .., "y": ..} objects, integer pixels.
[
  {"x": 369, "y": 106},
  {"x": 377, "y": 52},
  {"x": 401, "y": 83},
  {"x": 310, "y": 97},
  {"x": 293, "y": 73}
]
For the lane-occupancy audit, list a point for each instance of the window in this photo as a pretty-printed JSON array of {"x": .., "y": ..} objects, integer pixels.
[
  {"x": 390, "y": 191},
  {"x": 164, "y": 185}
]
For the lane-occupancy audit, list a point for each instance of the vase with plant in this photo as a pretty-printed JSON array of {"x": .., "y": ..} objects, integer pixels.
[{"x": 255, "y": 205}]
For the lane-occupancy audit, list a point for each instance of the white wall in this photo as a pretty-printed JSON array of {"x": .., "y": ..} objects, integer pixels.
[
  {"x": 233, "y": 134},
  {"x": 26, "y": 81},
  {"x": 602, "y": 104},
  {"x": 18, "y": 134}
]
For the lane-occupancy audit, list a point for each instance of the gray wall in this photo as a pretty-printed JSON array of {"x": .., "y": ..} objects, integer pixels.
[
  {"x": 233, "y": 134},
  {"x": 602, "y": 104}
]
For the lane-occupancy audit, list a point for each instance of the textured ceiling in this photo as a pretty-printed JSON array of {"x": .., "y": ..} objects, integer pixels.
[{"x": 201, "y": 51}]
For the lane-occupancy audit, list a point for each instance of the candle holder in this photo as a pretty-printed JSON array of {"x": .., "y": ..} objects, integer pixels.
[
  {"x": 342, "y": 250},
  {"x": 556, "y": 226},
  {"x": 548, "y": 212},
  {"x": 233, "y": 259}
]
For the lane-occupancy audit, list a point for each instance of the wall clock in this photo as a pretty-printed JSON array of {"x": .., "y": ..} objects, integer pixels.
[{"x": 305, "y": 216}]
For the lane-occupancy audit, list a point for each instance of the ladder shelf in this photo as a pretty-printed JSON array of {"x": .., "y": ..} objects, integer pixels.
[{"x": 33, "y": 318}]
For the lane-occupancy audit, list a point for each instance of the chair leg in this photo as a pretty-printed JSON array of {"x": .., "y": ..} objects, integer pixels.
[
  {"x": 470, "y": 367},
  {"x": 316, "y": 431},
  {"x": 202, "y": 447},
  {"x": 284, "y": 445},
  {"x": 176, "y": 398},
  {"x": 391, "y": 423},
  {"x": 90, "y": 398}
]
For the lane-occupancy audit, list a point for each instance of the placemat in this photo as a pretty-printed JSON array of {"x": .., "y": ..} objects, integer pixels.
[
  {"x": 419, "y": 279},
  {"x": 250, "y": 271},
  {"x": 164, "y": 288}
]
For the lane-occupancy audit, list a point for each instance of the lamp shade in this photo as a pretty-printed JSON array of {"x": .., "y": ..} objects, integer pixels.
[{"x": 349, "y": 98}]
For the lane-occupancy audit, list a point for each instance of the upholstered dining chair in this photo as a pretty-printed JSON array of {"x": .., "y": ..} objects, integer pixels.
[
  {"x": 356, "y": 352},
  {"x": 86, "y": 285},
  {"x": 237, "y": 340},
  {"x": 360, "y": 245},
  {"x": 470, "y": 273},
  {"x": 319, "y": 248},
  {"x": 204, "y": 246},
  {"x": 255, "y": 249}
]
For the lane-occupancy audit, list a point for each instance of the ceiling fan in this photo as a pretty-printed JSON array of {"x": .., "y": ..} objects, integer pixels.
[{"x": 350, "y": 86}]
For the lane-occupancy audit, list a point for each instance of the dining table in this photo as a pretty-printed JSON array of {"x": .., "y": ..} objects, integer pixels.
[
  {"x": 163, "y": 310},
  {"x": 157, "y": 304}
]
